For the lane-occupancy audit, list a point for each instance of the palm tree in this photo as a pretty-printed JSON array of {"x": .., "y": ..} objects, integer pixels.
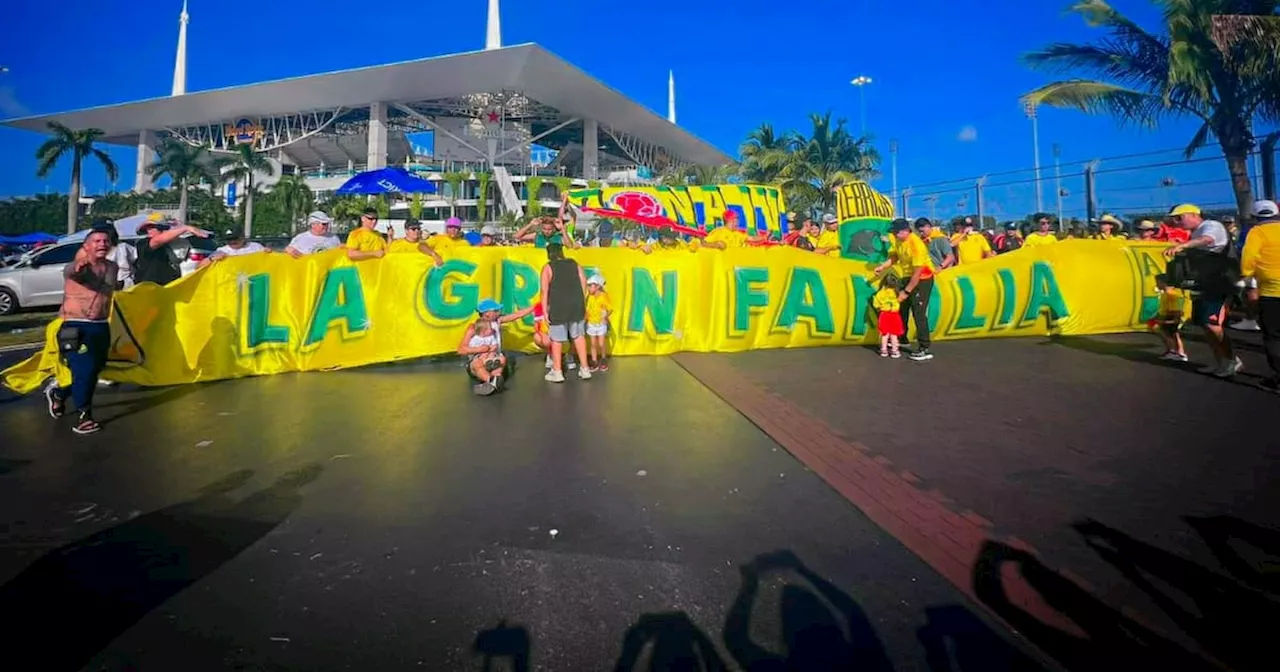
[
  {"x": 760, "y": 143},
  {"x": 690, "y": 174},
  {"x": 813, "y": 167},
  {"x": 295, "y": 197},
  {"x": 241, "y": 166},
  {"x": 79, "y": 144},
  {"x": 184, "y": 165},
  {"x": 1180, "y": 72}
]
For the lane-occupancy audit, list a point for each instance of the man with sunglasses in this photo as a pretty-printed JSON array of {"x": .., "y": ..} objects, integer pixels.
[
  {"x": 1209, "y": 301},
  {"x": 1043, "y": 236},
  {"x": 413, "y": 242},
  {"x": 365, "y": 242}
]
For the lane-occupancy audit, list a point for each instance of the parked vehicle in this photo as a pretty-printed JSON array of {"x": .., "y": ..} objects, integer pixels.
[{"x": 36, "y": 278}]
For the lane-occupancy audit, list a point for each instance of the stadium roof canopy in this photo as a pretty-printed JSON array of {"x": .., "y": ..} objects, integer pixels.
[{"x": 325, "y": 117}]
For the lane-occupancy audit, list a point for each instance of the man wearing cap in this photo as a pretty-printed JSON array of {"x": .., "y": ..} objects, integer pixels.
[
  {"x": 729, "y": 235},
  {"x": 828, "y": 241},
  {"x": 909, "y": 254},
  {"x": 234, "y": 245},
  {"x": 1260, "y": 262},
  {"x": 564, "y": 299},
  {"x": 412, "y": 242},
  {"x": 971, "y": 247},
  {"x": 156, "y": 260},
  {"x": 451, "y": 238},
  {"x": 1107, "y": 227},
  {"x": 315, "y": 239},
  {"x": 365, "y": 242},
  {"x": 1043, "y": 236},
  {"x": 1209, "y": 304},
  {"x": 1010, "y": 240},
  {"x": 939, "y": 245}
]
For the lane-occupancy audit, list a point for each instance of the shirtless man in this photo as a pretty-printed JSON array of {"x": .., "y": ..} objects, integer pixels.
[{"x": 84, "y": 338}]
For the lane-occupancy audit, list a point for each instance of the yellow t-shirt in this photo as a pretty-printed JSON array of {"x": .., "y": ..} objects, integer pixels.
[
  {"x": 1260, "y": 258},
  {"x": 364, "y": 240},
  {"x": 911, "y": 254},
  {"x": 1173, "y": 301},
  {"x": 1037, "y": 238},
  {"x": 730, "y": 237},
  {"x": 971, "y": 248},
  {"x": 440, "y": 242},
  {"x": 829, "y": 239},
  {"x": 402, "y": 245},
  {"x": 598, "y": 307},
  {"x": 886, "y": 300},
  {"x": 676, "y": 245}
]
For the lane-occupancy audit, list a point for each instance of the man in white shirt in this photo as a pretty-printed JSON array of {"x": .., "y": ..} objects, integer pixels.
[
  {"x": 316, "y": 240},
  {"x": 1209, "y": 304},
  {"x": 235, "y": 246}
]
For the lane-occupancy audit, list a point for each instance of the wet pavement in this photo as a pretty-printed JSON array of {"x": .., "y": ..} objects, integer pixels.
[{"x": 385, "y": 519}]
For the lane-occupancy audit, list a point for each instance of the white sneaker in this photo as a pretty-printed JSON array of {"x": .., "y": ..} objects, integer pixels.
[
  {"x": 1172, "y": 356},
  {"x": 549, "y": 364},
  {"x": 1230, "y": 368},
  {"x": 584, "y": 373},
  {"x": 1246, "y": 325},
  {"x": 554, "y": 376}
]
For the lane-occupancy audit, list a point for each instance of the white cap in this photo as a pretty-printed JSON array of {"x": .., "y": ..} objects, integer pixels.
[
  {"x": 488, "y": 230},
  {"x": 1263, "y": 209},
  {"x": 595, "y": 280},
  {"x": 318, "y": 216}
]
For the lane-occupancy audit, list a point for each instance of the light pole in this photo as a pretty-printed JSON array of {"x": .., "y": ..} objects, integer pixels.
[
  {"x": 932, "y": 200},
  {"x": 893, "y": 161},
  {"x": 1168, "y": 183},
  {"x": 1035, "y": 143},
  {"x": 861, "y": 81},
  {"x": 1057, "y": 180}
]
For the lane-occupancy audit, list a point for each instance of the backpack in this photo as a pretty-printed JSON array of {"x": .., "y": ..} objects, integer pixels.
[
  {"x": 1008, "y": 243},
  {"x": 1200, "y": 270}
]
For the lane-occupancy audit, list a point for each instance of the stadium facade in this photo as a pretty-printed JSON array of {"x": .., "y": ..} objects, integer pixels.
[{"x": 501, "y": 115}]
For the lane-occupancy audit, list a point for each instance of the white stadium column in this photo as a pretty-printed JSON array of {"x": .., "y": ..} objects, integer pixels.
[
  {"x": 377, "y": 137},
  {"x": 590, "y": 149},
  {"x": 142, "y": 181}
]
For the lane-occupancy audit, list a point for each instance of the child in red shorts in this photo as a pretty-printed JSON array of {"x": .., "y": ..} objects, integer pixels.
[{"x": 889, "y": 322}]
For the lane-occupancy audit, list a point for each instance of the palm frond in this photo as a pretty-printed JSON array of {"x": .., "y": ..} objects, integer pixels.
[
  {"x": 1199, "y": 140},
  {"x": 108, "y": 164},
  {"x": 1128, "y": 105}
]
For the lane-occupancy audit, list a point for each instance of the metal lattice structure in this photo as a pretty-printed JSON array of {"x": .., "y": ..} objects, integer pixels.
[
  {"x": 265, "y": 134},
  {"x": 643, "y": 153}
]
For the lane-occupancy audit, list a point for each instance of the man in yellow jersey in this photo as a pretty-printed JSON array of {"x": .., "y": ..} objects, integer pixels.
[
  {"x": 365, "y": 242},
  {"x": 1260, "y": 263},
  {"x": 828, "y": 240},
  {"x": 971, "y": 247},
  {"x": 451, "y": 238},
  {"x": 1109, "y": 228},
  {"x": 909, "y": 254},
  {"x": 668, "y": 240},
  {"x": 412, "y": 242},
  {"x": 1043, "y": 236},
  {"x": 728, "y": 236}
]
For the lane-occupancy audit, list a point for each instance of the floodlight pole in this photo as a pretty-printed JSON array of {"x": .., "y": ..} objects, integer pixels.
[
  {"x": 893, "y": 161},
  {"x": 982, "y": 182}
]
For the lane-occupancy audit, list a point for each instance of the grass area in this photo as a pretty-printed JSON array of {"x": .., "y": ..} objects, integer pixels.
[{"x": 24, "y": 327}]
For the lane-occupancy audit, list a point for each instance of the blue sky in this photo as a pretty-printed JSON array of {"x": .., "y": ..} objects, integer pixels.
[{"x": 946, "y": 76}]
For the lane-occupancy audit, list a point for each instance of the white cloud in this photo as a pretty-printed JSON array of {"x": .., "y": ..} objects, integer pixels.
[
  {"x": 9, "y": 105},
  {"x": 968, "y": 134}
]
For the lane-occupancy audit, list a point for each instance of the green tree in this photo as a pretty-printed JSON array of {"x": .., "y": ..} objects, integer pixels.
[
  {"x": 814, "y": 166},
  {"x": 482, "y": 196},
  {"x": 295, "y": 198},
  {"x": 454, "y": 181},
  {"x": 533, "y": 204},
  {"x": 184, "y": 165},
  {"x": 79, "y": 144},
  {"x": 761, "y": 143},
  {"x": 1180, "y": 71},
  {"x": 241, "y": 167}
]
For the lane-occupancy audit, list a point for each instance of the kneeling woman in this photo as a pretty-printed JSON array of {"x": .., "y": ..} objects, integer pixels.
[{"x": 482, "y": 345}]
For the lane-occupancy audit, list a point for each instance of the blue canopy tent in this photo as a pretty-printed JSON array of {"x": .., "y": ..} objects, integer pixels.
[
  {"x": 28, "y": 239},
  {"x": 386, "y": 181}
]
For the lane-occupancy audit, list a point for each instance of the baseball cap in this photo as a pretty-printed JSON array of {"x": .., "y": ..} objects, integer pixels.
[
  {"x": 898, "y": 225},
  {"x": 488, "y": 230},
  {"x": 1265, "y": 209},
  {"x": 488, "y": 305},
  {"x": 922, "y": 221},
  {"x": 370, "y": 212},
  {"x": 1010, "y": 225},
  {"x": 319, "y": 217},
  {"x": 829, "y": 219},
  {"x": 595, "y": 280},
  {"x": 453, "y": 222},
  {"x": 232, "y": 234},
  {"x": 159, "y": 224},
  {"x": 1184, "y": 209},
  {"x": 412, "y": 224}
]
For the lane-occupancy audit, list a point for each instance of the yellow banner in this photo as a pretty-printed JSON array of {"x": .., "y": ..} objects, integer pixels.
[
  {"x": 857, "y": 200},
  {"x": 758, "y": 207},
  {"x": 269, "y": 313}
]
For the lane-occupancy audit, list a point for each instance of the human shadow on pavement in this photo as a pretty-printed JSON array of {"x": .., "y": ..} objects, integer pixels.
[
  {"x": 504, "y": 648},
  {"x": 668, "y": 642},
  {"x": 1232, "y": 622},
  {"x": 1218, "y": 532},
  {"x": 956, "y": 640},
  {"x": 1142, "y": 354},
  {"x": 75, "y": 600},
  {"x": 1111, "y": 641},
  {"x": 822, "y": 627}
]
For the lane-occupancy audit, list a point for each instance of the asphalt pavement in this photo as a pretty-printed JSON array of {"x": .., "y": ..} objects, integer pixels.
[{"x": 386, "y": 519}]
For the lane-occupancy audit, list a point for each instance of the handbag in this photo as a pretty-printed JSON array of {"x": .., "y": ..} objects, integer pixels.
[{"x": 69, "y": 339}]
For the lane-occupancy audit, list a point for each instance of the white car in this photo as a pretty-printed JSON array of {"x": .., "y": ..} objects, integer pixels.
[{"x": 36, "y": 279}]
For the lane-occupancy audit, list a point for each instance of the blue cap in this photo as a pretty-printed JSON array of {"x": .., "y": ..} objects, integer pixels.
[{"x": 488, "y": 305}]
